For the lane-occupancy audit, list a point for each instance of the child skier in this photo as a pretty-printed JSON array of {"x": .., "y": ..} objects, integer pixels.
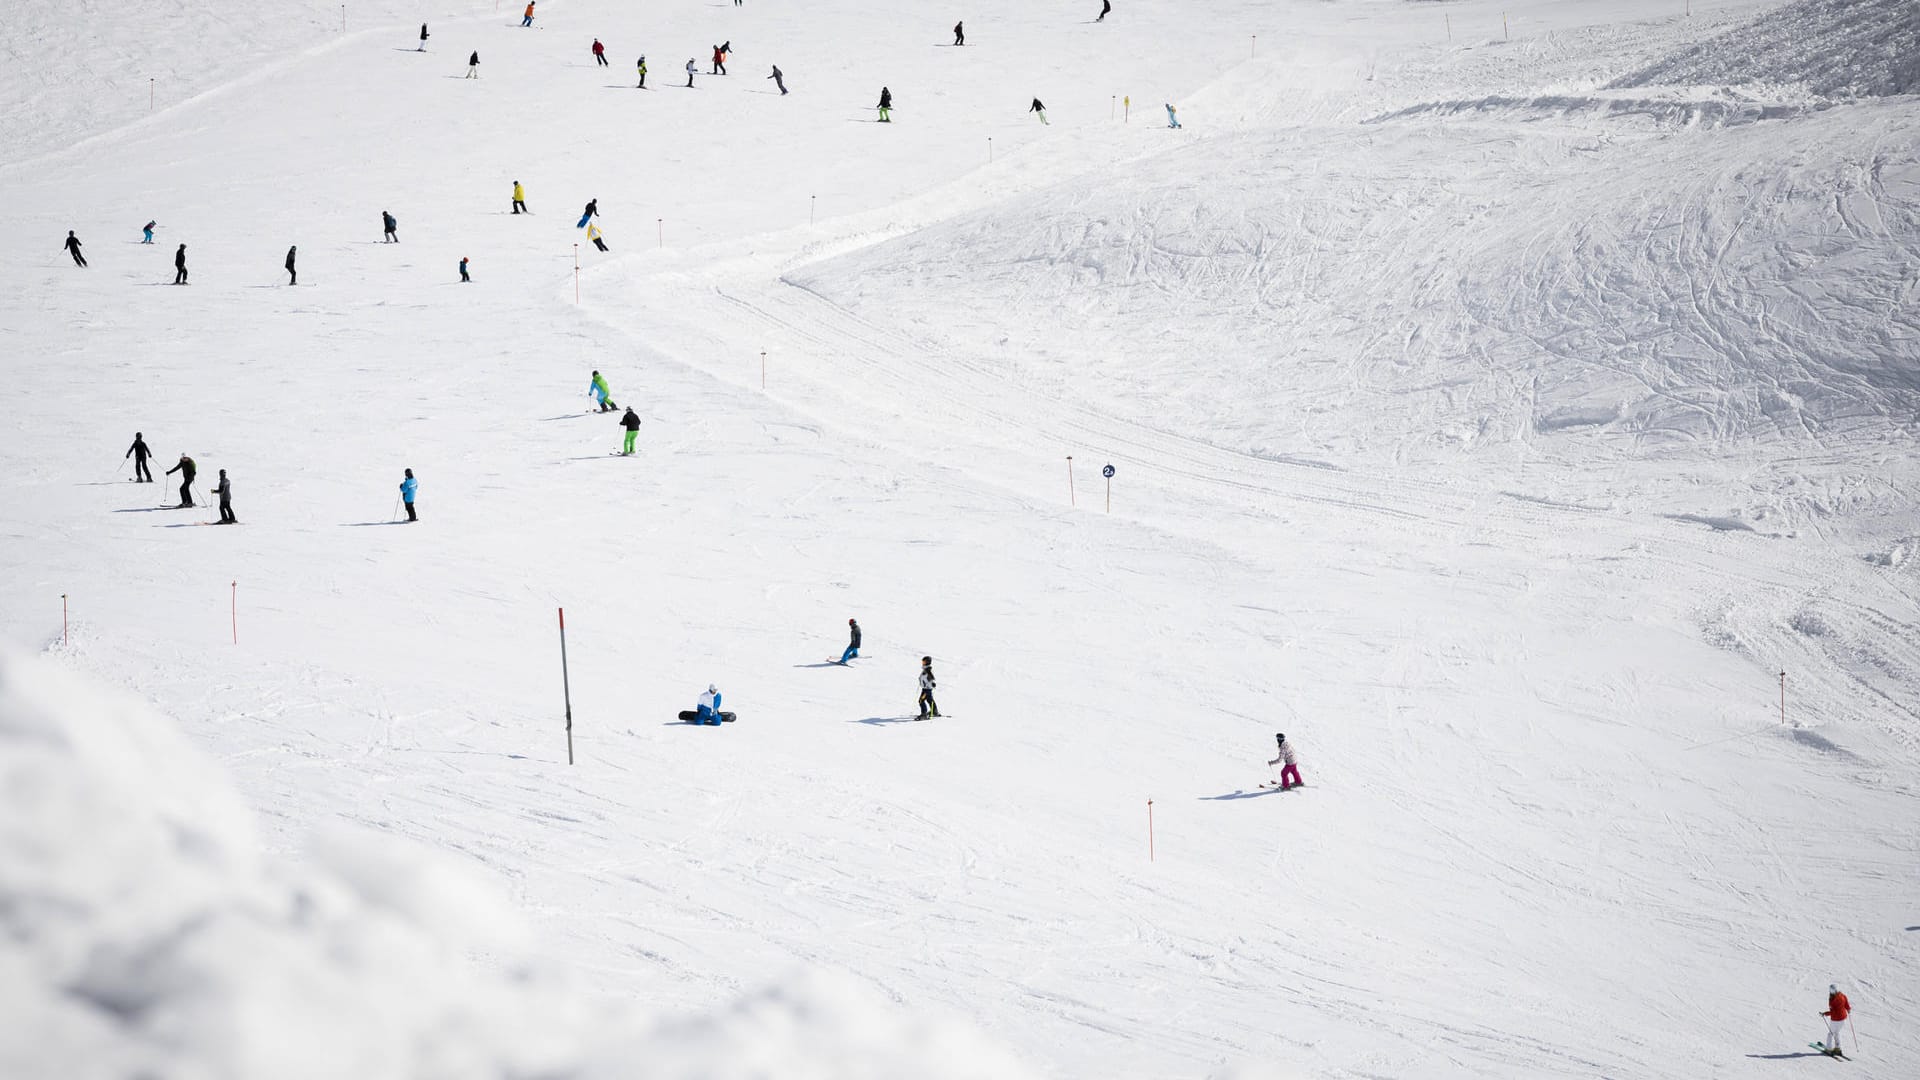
[
  {"x": 643, "y": 73},
  {"x": 689, "y": 72},
  {"x": 631, "y": 422},
  {"x": 1036, "y": 107},
  {"x": 1290, "y": 771},
  {"x": 853, "y": 642},
  {"x": 1836, "y": 1014},
  {"x": 927, "y": 704},
  {"x": 463, "y": 270},
  {"x": 886, "y": 105},
  {"x": 600, "y": 391},
  {"x": 147, "y": 229},
  {"x": 407, "y": 488}
]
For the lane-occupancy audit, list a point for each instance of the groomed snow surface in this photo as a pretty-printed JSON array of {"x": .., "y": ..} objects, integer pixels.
[{"x": 1501, "y": 397}]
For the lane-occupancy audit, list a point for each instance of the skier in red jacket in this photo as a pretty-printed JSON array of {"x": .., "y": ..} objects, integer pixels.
[
  {"x": 600, "y": 53},
  {"x": 1836, "y": 1014}
]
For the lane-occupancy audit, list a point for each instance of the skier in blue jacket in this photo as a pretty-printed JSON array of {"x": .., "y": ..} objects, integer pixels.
[{"x": 407, "y": 488}]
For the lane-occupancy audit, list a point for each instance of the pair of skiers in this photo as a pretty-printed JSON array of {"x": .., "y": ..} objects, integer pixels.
[{"x": 186, "y": 468}]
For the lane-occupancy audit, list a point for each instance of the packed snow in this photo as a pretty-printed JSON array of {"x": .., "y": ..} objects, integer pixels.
[{"x": 1501, "y": 398}]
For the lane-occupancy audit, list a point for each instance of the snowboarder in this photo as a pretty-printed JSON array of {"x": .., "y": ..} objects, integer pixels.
[
  {"x": 73, "y": 249},
  {"x": 1290, "y": 771},
  {"x": 779, "y": 80},
  {"x": 180, "y": 265},
  {"x": 959, "y": 34},
  {"x": 520, "y": 199},
  {"x": 886, "y": 105},
  {"x": 528, "y": 21},
  {"x": 707, "y": 711},
  {"x": 186, "y": 470},
  {"x": 423, "y": 38},
  {"x": 473, "y": 65},
  {"x": 147, "y": 229},
  {"x": 643, "y": 72},
  {"x": 926, "y": 688},
  {"x": 463, "y": 270},
  {"x": 1173, "y": 117},
  {"x": 600, "y": 53},
  {"x": 1105, "y": 7},
  {"x": 593, "y": 207},
  {"x": 689, "y": 72},
  {"x": 631, "y": 422},
  {"x": 593, "y": 234},
  {"x": 853, "y": 642},
  {"x": 138, "y": 452},
  {"x": 407, "y": 488},
  {"x": 1036, "y": 107},
  {"x": 225, "y": 491},
  {"x": 599, "y": 390},
  {"x": 1836, "y": 1014},
  {"x": 293, "y": 276},
  {"x": 388, "y": 223}
]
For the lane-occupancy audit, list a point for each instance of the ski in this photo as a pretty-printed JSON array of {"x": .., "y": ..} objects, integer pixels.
[{"x": 1832, "y": 1053}]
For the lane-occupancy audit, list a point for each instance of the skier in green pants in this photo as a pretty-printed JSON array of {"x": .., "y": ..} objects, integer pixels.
[
  {"x": 599, "y": 390},
  {"x": 631, "y": 422}
]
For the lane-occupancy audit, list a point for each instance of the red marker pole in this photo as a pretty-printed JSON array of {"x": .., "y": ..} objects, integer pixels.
[
  {"x": 660, "y": 227},
  {"x": 1149, "y": 830},
  {"x": 1783, "y": 696},
  {"x": 566, "y": 688},
  {"x": 576, "y": 273},
  {"x": 763, "y": 369},
  {"x": 233, "y": 610},
  {"x": 63, "y": 618}
]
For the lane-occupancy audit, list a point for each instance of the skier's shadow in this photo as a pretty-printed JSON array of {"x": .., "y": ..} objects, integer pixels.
[
  {"x": 1239, "y": 795},
  {"x": 1787, "y": 1057},
  {"x": 829, "y": 663},
  {"x": 367, "y": 524},
  {"x": 877, "y": 721}
]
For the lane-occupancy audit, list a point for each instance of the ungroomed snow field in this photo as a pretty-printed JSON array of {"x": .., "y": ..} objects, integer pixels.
[{"x": 1500, "y": 397}]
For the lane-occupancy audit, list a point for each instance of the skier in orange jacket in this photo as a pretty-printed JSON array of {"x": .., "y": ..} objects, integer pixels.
[{"x": 1836, "y": 1014}]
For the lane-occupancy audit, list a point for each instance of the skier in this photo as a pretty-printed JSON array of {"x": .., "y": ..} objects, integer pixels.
[
  {"x": 719, "y": 61},
  {"x": 1290, "y": 771},
  {"x": 520, "y": 199},
  {"x": 73, "y": 249},
  {"x": 886, "y": 105},
  {"x": 1836, "y": 1014},
  {"x": 148, "y": 230},
  {"x": 423, "y": 38},
  {"x": 225, "y": 491},
  {"x": 463, "y": 270},
  {"x": 853, "y": 642},
  {"x": 593, "y": 207},
  {"x": 388, "y": 222},
  {"x": 593, "y": 234},
  {"x": 959, "y": 34},
  {"x": 180, "y": 265},
  {"x": 643, "y": 73},
  {"x": 186, "y": 470},
  {"x": 600, "y": 53},
  {"x": 708, "y": 709},
  {"x": 407, "y": 488},
  {"x": 599, "y": 390},
  {"x": 528, "y": 21},
  {"x": 1173, "y": 117},
  {"x": 293, "y": 277},
  {"x": 689, "y": 72},
  {"x": 926, "y": 688},
  {"x": 1036, "y": 107},
  {"x": 473, "y": 65},
  {"x": 778, "y": 80},
  {"x": 138, "y": 452},
  {"x": 1105, "y": 6},
  {"x": 631, "y": 422}
]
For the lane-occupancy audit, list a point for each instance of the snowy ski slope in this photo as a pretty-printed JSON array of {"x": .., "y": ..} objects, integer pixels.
[{"x": 1496, "y": 415}]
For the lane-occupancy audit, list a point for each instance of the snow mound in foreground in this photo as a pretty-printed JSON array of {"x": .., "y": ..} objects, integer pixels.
[
  {"x": 1838, "y": 48},
  {"x": 149, "y": 938}
]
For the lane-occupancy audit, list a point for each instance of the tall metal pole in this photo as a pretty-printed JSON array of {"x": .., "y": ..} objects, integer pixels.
[{"x": 566, "y": 688}]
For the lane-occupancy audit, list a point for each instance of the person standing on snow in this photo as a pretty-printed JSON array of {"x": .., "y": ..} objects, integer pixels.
[
  {"x": 388, "y": 222},
  {"x": 689, "y": 72},
  {"x": 631, "y": 422},
  {"x": 778, "y": 80},
  {"x": 926, "y": 689},
  {"x": 423, "y": 38},
  {"x": 73, "y": 248},
  {"x": 1290, "y": 771},
  {"x": 600, "y": 53},
  {"x": 593, "y": 234},
  {"x": 1173, "y": 118},
  {"x": 528, "y": 21},
  {"x": 853, "y": 642},
  {"x": 520, "y": 199},
  {"x": 708, "y": 709},
  {"x": 138, "y": 452},
  {"x": 1105, "y": 7},
  {"x": 720, "y": 58},
  {"x": 886, "y": 105},
  {"x": 599, "y": 390},
  {"x": 463, "y": 270},
  {"x": 180, "y": 265},
  {"x": 593, "y": 207},
  {"x": 225, "y": 491},
  {"x": 1036, "y": 107},
  {"x": 473, "y": 65},
  {"x": 1838, "y": 1009},
  {"x": 959, "y": 34},
  {"x": 642, "y": 65},
  {"x": 147, "y": 230},
  {"x": 293, "y": 276},
  {"x": 186, "y": 470},
  {"x": 407, "y": 488}
]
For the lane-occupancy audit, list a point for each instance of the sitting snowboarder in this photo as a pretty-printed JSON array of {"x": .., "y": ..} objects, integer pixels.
[{"x": 708, "y": 710}]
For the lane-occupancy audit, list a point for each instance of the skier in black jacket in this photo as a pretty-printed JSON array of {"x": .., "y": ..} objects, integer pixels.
[
  {"x": 225, "y": 491},
  {"x": 73, "y": 249},
  {"x": 388, "y": 222},
  {"x": 138, "y": 452},
  {"x": 853, "y": 642},
  {"x": 180, "y": 265},
  {"x": 293, "y": 277},
  {"x": 886, "y": 105},
  {"x": 926, "y": 688},
  {"x": 185, "y": 469},
  {"x": 959, "y": 34}
]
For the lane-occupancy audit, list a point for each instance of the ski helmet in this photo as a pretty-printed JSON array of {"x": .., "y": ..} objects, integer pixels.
[
  {"x": 849, "y": 622},
  {"x": 711, "y": 689},
  {"x": 1278, "y": 737}
]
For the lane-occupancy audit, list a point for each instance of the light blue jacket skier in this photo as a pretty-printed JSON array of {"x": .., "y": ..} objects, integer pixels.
[{"x": 708, "y": 711}]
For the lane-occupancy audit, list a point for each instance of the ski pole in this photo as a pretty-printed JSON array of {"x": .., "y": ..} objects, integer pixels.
[
  {"x": 395, "y": 515},
  {"x": 1855, "y": 1034}
]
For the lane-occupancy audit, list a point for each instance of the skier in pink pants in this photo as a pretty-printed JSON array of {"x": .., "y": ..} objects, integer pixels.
[{"x": 1290, "y": 772}]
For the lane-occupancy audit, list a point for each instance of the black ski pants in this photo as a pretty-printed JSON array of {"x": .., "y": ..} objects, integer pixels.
[
  {"x": 186, "y": 493},
  {"x": 78, "y": 259},
  {"x": 226, "y": 513},
  {"x": 928, "y": 704},
  {"x": 180, "y": 275},
  {"x": 140, "y": 471},
  {"x": 411, "y": 516}
]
